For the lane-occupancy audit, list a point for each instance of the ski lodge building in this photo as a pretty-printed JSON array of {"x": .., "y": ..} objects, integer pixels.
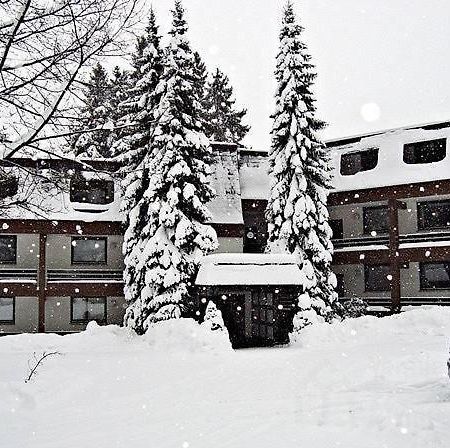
[{"x": 389, "y": 210}]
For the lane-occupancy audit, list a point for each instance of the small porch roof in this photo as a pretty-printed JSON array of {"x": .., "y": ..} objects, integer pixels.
[{"x": 249, "y": 269}]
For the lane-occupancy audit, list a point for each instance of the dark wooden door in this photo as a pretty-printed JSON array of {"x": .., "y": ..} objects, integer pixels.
[
  {"x": 263, "y": 317},
  {"x": 232, "y": 307}
]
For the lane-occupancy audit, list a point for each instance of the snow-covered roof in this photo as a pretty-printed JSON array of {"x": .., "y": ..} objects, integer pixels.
[
  {"x": 390, "y": 168},
  {"x": 249, "y": 269},
  {"x": 254, "y": 179},
  {"x": 226, "y": 207}
]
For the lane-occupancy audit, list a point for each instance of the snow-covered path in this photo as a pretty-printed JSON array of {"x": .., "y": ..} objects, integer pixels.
[{"x": 365, "y": 383}]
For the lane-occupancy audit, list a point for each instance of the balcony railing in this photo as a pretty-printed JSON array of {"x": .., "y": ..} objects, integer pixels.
[
  {"x": 18, "y": 275},
  {"x": 72, "y": 275},
  {"x": 383, "y": 240}
]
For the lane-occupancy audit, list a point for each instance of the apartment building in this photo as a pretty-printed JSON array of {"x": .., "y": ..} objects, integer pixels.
[
  {"x": 390, "y": 213},
  {"x": 62, "y": 266}
]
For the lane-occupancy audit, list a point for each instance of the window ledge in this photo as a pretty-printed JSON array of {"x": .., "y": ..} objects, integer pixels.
[{"x": 90, "y": 208}]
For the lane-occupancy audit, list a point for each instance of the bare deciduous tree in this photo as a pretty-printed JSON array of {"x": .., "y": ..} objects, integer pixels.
[{"x": 45, "y": 47}]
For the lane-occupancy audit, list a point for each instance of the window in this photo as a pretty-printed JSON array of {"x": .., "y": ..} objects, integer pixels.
[
  {"x": 337, "y": 228},
  {"x": 435, "y": 275},
  {"x": 8, "y": 249},
  {"x": 88, "y": 250},
  {"x": 424, "y": 152},
  {"x": 85, "y": 309},
  {"x": 9, "y": 185},
  {"x": 354, "y": 162},
  {"x": 433, "y": 214},
  {"x": 92, "y": 191},
  {"x": 375, "y": 219},
  {"x": 340, "y": 287},
  {"x": 7, "y": 310},
  {"x": 377, "y": 277}
]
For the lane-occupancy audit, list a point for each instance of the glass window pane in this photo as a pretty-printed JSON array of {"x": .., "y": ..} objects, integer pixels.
[
  {"x": 435, "y": 275},
  {"x": 6, "y": 309},
  {"x": 377, "y": 277},
  {"x": 354, "y": 162},
  {"x": 375, "y": 219},
  {"x": 8, "y": 248},
  {"x": 433, "y": 214},
  {"x": 424, "y": 152},
  {"x": 337, "y": 228},
  {"x": 85, "y": 309},
  {"x": 89, "y": 250},
  {"x": 96, "y": 308},
  {"x": 93, "y": 191}
]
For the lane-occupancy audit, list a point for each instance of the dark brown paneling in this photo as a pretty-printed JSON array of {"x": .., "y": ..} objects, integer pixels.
[
  {"x": 62, "y": 164},
  {"x": 78, "y": 289},
  {"x": 42, "y": 281},
  {"x": 229, "y": 230},
  {"x": 438, "y": 253},
  {"x": 417, "y": 190},
  {"x": 62, "y": 227},
  {"x": 19, "y": 289},
  {"x": 361, "y": 257}
]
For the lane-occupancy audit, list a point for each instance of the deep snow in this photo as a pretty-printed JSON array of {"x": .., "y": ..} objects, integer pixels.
[{"x": 363, "y": 383}]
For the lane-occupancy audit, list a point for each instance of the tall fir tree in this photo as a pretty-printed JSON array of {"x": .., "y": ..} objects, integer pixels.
[
  {"x": 200, "y": 86},
  {"x": 223, "y": 121},
  {"x": 168, "y": 230},
  {"x": 119, "y": 86},
  {"x": 95, "y": 114},
  {"x": 300, "y": 177},
  {"x": 134, "y": 150}
]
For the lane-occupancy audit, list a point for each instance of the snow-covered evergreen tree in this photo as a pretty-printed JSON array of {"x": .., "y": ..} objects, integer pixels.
[
  {"x": 134, "y": 150},
  {"x": 300, "y": 177},
  {"x": 119, "y": 87},
  {"x": 95, "y": 114},
  {"x": 223, "y": 121},
  {"x": 168, "y": 230},
  {"x": 213, "y": 318}
]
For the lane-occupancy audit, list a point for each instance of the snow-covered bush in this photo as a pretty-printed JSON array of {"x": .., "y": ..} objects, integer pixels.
[
  {"x": 354, "y": 307},
  {"x": 213, "y": 318},
  {"x": 186, "y": 335}
]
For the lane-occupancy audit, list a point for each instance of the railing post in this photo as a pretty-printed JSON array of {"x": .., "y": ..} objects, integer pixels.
[
  {"x": 393, "y": 207},
  {"x": 42, "y": 281}
]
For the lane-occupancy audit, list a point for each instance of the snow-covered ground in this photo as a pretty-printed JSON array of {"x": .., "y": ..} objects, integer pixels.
[{"x": 364, "y": 383}]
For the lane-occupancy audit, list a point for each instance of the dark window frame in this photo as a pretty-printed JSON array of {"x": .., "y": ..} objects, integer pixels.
[
  {"x": 104, "y": 321},
  {"x": 367, "y": 209},
  {"x": 421, "y": 217},
  {"x": 106, "y": 185},
  {"x": 371, "y": 161},
  {"x": 13, "y": 320},
  {"x": 14, "y": 238},
  {"x": 423, "y": 281},
  {"x": 340, "y": 285},
  {"x": 370, "y": 289},
  {"x": 341, "y": 228},
  {"x": 89, "y": 263},
  {"x": 413, "y": 158}
]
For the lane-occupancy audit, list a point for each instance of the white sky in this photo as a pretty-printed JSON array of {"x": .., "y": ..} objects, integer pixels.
[{"x": 394, "y": 53}]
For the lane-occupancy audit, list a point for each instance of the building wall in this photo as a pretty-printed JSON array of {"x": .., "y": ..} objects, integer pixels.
[
  {"x": 352, "y": 215},
  {"x": 352, "y": 218},
  {"x": 230, "y": 245},
  {"x": 354, "y": 282},
  {"x": 59, "y": 253},
  {"x": 27, "y": 252},
  {"x": 58, "y": 314},
  {"x": 409, "y": 279},
  {"x": 26, "y": 316}
]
